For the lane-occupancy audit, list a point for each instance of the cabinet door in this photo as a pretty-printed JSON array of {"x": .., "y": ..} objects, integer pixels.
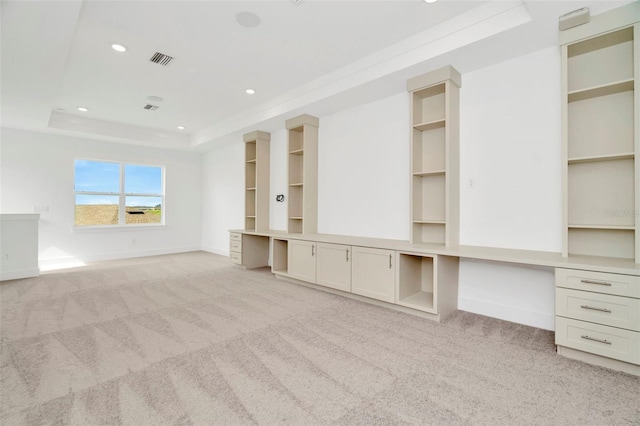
[
  {"x": 334, "y": 266},
  {"x": 302, "y": 260},
  {"x": 373, "y": 273}
]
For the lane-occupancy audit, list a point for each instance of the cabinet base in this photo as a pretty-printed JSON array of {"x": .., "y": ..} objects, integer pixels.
[
  {"x": 601, "y": 361},
  {"x": 432, "y": 317}
]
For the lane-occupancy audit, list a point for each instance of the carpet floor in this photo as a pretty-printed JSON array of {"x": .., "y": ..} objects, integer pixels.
[{"x": 188, "y": 339}]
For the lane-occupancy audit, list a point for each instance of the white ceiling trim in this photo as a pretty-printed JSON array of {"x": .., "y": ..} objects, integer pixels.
[
  {"x": 118, "y": 132},
  {"x": 479, "y": 23}
]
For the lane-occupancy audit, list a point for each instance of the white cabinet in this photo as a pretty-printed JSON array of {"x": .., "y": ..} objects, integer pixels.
[
  {"x": 598, "y": 313},
  {"x": 249, "y": 251},
  {"x": 301, "y": 259},
  {"x": 19, "y": 243},
  {"x": 373, "y": 273},
  {"x": 334, "y": 266}
]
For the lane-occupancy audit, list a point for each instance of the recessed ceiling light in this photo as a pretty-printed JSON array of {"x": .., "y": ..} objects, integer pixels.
[
  {"x": 118, "y": 47},
  {"x": 248, "y": 19},
  {"x": 181, "y": 127},
  {"x": 83, "y": 109},
  {"x": 250, "y": 91},
  {"x": 155, "y": 98},
  {"x": 430, "y": 1}
]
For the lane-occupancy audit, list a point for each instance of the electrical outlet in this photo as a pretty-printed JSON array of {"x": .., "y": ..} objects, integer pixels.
[
  {"x": 470, "y": 183},
  {"x": 6, "y": 256}
]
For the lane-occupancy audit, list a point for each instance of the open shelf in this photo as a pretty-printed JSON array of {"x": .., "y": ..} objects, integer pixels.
[
  {"x": 601, "y": 193},
  {"x": 436, "y": 124},
  {"x": 600, "y": 61},
  {"x": 434, "y": 104},
  {"x": 280, "y": 256},
  {"x": 618, "y": 243},
  {"x": 295, "y": 225},
  {"x": 601, "y": 126},
  {"x": 601, "y": 90},
  {"x": 429, "y": 106},
  {"x": 428, "y": 232},
  {"x": 429, "y": 196},
  {"x": 604, "y": 227},
  {"x": 597, "y": 158},
  {"x": 416, "y": 282},
  {"x": 601, "y": 204},
  {"x": 257, "y": 158},
  {"x": 302, "y": 174},
  {"x": 431, "y": 173}
]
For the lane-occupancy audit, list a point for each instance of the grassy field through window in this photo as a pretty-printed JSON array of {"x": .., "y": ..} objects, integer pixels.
[{"x": 101, "y": 214}]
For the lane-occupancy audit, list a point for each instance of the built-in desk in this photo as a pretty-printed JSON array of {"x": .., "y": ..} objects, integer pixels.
[{"x": 423, "y": 279}]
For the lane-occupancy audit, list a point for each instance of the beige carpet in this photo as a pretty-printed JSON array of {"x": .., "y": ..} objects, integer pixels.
[{"x": 189, "y": 339}]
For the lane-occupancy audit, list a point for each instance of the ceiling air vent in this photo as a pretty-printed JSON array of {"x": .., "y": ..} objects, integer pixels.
[
  {"x": 151, "y": 107},
  {"x": 161, "y": 58}
]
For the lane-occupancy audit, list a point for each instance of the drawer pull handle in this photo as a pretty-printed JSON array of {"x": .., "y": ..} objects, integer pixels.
[
  {"x": 347, "y": 255},
  {"x": 596, "y": 282},
  {"x": 605, "y": 341},
  {"x": 596, "y": 309},
  {"x": 390, "y": 261}
]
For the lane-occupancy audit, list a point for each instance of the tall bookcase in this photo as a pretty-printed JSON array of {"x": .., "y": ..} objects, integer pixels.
[
  {"x": 600, "y": 108},
  {"x": 303, "y": 174},
  {"x": 256, "y": 180},
  {"x": 435, "y": 156}
]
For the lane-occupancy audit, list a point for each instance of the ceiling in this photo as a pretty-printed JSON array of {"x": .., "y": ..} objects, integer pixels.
[{"x": 316, "y": 57}]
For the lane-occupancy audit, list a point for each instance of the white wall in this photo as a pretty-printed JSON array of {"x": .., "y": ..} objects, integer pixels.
[
  {"x": 222, "y": 196},
  {"x": 510, "y": 148},
  {"x": 363, "y": 170},
  {"x": 37, "y": 172},
  {"x": 278, "y": 180}
]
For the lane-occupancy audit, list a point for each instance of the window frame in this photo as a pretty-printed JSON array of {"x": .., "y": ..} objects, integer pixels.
[{"x": 122, "y": 196}]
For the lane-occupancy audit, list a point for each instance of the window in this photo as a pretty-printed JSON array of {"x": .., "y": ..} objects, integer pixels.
[{"x": 109, "y": 193}]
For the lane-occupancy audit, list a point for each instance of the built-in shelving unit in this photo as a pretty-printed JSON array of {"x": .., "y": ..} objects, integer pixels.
[
  {"x": 257, "y": 156},
  {"x": 428, "y": 283},
  {"x": 602, "y": 206},
  {"x": 435, "y": 156},
  {"x": 303, "y": 174},
  {"x": 280, "y": 255}
]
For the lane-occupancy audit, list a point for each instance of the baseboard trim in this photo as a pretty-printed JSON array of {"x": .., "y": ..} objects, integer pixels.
[
  {"x": 216, "y": 251},
  {"x": 56, "y": 263},
  {"x": 486, "y": 308},
  {"x": 601, "y": 361},
  {"x": 19, "y": 274}
]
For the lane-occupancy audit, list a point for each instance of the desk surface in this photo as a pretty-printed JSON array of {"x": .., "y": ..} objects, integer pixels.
[{"x": 524, "y": 257}]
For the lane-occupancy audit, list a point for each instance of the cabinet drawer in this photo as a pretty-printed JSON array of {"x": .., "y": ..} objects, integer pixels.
[
  {"x": 599, "y": 282},
  {"x": 623, "y": 345},
  {"x": 236, "y": 258},
  {"x": 235, "y": 246},
  {"x": 235, "y": 236},
  {"x": 616, "y": 311}
]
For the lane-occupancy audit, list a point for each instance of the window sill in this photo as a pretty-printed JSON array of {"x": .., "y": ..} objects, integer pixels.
[{"x": 119, "y": 228}]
